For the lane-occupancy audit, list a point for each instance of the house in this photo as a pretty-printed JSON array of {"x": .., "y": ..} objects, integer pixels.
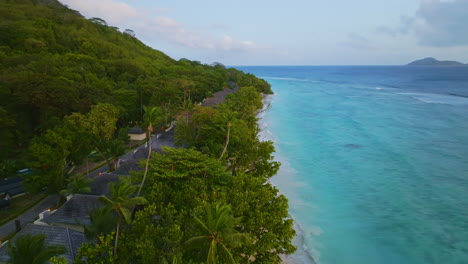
[
  {"x": 136, "y": 134},
  {"x": 12, "y": 187},
  {"x": 55, "y": 235},
  {"x": 73, "y": 214}
]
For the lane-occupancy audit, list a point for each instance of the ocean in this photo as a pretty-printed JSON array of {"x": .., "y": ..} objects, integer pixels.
[{"x": 374, "y": 161}]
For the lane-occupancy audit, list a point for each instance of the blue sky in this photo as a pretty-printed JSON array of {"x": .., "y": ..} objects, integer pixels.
[{"x": 294, "y": 32}]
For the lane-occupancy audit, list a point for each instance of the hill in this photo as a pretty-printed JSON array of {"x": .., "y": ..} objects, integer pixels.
[
  {"x": 433, "y": 62},
  {"x": 54, "y": 62}
]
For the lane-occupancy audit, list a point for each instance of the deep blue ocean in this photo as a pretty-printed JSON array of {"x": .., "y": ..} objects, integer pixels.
[{"x": 374, "y": 161}]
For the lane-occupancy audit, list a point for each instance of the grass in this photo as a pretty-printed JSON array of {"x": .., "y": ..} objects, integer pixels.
[{"x": 20, "y": 205}]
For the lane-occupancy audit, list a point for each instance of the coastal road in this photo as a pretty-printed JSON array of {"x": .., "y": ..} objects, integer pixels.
[
  {"x": 29, "y": 216},
  {"x": 157, "y": 142}
]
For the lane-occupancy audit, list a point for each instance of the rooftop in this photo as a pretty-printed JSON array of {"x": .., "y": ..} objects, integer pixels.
[
  {"x": 75, "y": 211},
  {"x": 56, "y": 235}
]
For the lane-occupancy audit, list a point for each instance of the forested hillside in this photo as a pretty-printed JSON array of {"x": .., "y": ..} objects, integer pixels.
[{"x": 54, "y": 62}]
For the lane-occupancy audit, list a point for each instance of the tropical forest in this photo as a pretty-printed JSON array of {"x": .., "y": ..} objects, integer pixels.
[{"x": 71, "y": 89}]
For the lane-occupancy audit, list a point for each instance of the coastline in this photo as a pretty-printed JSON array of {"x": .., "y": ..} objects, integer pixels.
[{"x": 298, "y": 241}]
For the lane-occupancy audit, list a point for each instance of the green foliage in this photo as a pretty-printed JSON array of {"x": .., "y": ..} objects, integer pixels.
[
  {"x": 69, "y": 85},
  {"x": 152, "y": 116},
  {"x": 180, "y": 183},
  {"x": 120, "y": 200},
  {"x": 77, "y": 184},
  {"x": 265, "y": 218},
  {"x": 31, "y": 249},
  {"x": 155, "y": 236},
  {"x": 54, "y": 62},
  {"x": 208, "y": 130},
  {"x": 185, "y": 178},
  {"x": 101, "y": 253},
  {"x": 102, "y": 220},
  {"x": 48, "y": 159},
  {"x": 58, "y": 260},
  {"x": 217, "y": 234}
]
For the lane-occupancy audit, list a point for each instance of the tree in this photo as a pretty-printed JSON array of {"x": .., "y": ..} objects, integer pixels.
[
  {"x": 77, "y": 184},
  {"x": 48, "y": 159},
  {"x": 129, "y": 32},
  {"x": 217, "y": 234},
  {"x": 101, "y": 253},
  {"x": 102, "y": 220},
  {"x": 122, "y": 203},
  {"x": 31, "y": 249},
  {"x": 99, "y": 126},
  {"x": 151, "y": 117},
  {"x": 264, "y": 216},
  {"x": 113, "y": 150}
]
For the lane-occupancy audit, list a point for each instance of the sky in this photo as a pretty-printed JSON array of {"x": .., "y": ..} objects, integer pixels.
[{"x": 293, "y": 32}]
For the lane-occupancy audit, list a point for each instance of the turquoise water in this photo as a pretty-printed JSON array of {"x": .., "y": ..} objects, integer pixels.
[{"x": 375, "y": 161}]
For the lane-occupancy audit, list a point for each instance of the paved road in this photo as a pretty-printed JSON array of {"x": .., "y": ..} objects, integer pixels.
[
  {"x": 29, "y": 216},
  {"x": 164, "y": 139}
]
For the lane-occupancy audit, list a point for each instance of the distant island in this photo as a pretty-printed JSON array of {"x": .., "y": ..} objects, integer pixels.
[{"x": 433, "y": 62}]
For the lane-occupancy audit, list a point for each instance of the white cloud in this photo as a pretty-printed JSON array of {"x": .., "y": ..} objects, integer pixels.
[
  {"x": 156, "y": 27},
  {"x": 437, "y": 23}
]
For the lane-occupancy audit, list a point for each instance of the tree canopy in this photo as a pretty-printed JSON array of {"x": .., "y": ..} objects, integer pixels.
[{"x": 54, "y": 62}]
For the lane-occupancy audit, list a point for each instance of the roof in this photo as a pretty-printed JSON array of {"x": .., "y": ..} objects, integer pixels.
[
  {"x": 56, "y": 235},
  {"x": 12, "y": 186},
  {"x": 100, "y": 184},
  {"x": 135, "y": 130},
  {"x": 75, "y": 211},
  {"x": 218, "y": 97}
]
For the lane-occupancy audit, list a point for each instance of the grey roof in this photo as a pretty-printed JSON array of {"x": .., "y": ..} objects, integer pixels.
[
  {"x": 12, "y": 186},
  {"x": 56, "y": 235},
  {"x": 135, "y": 130},
  {"x": 127, "y": 166},
  {"x": 166, "y": 139},
  {"x": 75, "y": 211},
  {"x": 100, "y": 184},
  {"x": 218, "y": 97}
]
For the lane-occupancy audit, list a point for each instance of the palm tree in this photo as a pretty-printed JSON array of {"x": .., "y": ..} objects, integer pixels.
[
  {"x": 115, "y": 148},
  {"x": 102, "y": 220},
  {"x": 150, "y": 118},
  {"x": 122, "y": 203},
  {"x": 77, "y": 184},
  {"x": 31, "y": 249},
  {"x": 218, "y": 234}
]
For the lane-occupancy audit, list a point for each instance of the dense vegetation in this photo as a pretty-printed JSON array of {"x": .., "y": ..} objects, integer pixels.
[
  {"x": 211, "y": 203},
  {"x": 69, "y": 86},
  {"x": 54, "y": 62}
]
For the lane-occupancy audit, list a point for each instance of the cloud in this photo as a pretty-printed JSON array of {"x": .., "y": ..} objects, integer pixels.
[
  {"x": 436, "y": 23},
  {"x": 156, "y": 26}
]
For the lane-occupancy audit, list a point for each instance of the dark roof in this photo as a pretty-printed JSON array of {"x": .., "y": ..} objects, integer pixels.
[
  {"x": 141, "y": 153},
  {"x": 17, "y": 190},
  {"x": 127, "y": 166},
  {"x": 218, "y": 97},
  {"x": 135, "y": 130},
  {"x": 12, "y": 186},
  {"x": 10, "y": 180},
  {"x": 56, "y": 235},
  {"x": 166, "y": 139},
  {"x": 100, "y": 184},
  {"x": 75, "y": 211}
]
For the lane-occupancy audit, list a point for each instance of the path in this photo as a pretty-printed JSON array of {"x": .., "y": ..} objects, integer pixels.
[
  {"x": 29, "y": 216},
  {"x": 164, "y": 139}
]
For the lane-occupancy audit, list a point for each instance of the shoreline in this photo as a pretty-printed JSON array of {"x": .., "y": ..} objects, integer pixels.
[{"x": 265, "y": 136}]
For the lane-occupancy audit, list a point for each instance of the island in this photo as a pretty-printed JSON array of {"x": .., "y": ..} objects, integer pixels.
[{"x": 433, "y": 62}]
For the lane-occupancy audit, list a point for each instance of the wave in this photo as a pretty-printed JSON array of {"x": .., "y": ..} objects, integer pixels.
[
  {"x": 303, "y": 253},
  {"x": 438, "y": 98}
]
